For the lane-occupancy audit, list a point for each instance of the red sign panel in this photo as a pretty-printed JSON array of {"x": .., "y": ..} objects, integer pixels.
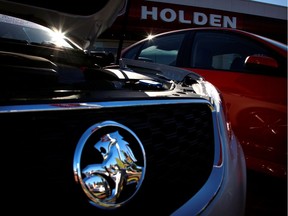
[{"x": 147, "y": 17}]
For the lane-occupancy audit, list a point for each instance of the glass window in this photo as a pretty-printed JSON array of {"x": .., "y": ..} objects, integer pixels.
[
  {"x": 132, "y": 53},
  {"x": 162, "y": 50},
  {"x": 22, "y": 30},
  {"x": 223, "y": 51}
]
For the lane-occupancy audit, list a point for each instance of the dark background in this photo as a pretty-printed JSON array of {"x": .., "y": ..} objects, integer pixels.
[{"x": 266, "y": 195}]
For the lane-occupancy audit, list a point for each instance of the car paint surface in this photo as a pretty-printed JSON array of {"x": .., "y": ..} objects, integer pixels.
[
  {"x": 107, "y": 140},
  {"x": 256, "y": 100}
]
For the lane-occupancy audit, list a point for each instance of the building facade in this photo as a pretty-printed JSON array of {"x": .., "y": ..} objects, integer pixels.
[{"x": 146, "y": 17}]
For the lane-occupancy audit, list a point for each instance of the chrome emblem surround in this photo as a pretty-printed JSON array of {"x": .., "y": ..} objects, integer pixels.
[{"x": 110, "y": 164}]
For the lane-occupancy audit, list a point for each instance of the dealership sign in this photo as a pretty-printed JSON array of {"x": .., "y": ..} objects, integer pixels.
[
  {"x": 169, "y": 15},
  {"x": 155, "y": 16}
]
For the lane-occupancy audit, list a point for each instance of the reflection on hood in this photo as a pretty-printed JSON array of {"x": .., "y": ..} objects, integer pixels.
[{"x": 81, "y": 22}]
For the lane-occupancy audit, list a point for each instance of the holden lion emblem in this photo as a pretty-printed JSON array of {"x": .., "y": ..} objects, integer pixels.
[{"x": 109, "y": 163}]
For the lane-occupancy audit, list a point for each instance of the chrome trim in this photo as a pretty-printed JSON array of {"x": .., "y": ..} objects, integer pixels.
[
  {"x": 94, "y": 105},
  {"x": 119, "y": 165},
  {"x": 206, "y": 194}
]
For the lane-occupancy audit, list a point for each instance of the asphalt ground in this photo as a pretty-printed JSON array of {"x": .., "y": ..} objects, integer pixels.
[{"x": 266, "y": 195}]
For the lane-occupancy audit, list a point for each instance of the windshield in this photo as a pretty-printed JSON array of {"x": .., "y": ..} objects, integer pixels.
[{"x": 22, "y": 30}]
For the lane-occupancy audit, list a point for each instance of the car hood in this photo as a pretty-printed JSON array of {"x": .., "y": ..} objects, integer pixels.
[{"x": 81, "y": 22}]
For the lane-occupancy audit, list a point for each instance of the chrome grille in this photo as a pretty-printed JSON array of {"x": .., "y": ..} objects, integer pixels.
[{"x": 178, "y": 140}]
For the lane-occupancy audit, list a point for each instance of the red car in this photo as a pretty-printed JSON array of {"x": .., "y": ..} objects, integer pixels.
[{"x": 249, "y": 70}]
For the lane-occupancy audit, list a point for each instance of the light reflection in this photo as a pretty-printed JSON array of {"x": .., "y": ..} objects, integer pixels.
[
  {"x": 150, "y": 37},
  {"x": 58, "y": 38}
]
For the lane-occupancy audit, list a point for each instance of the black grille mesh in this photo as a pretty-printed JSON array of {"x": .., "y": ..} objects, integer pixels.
[{"x": 39, "y": 149}]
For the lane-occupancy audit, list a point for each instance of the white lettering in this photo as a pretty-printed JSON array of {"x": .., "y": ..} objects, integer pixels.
[
  {"x": 168, "y": 15},
  {"x": 227, "y": 22},
  {"x": 182, "y": 18},
  {"x": 215, "y": 20},
  {"x": 145, "y": 13},
  {"x": 200, "y": 18}
]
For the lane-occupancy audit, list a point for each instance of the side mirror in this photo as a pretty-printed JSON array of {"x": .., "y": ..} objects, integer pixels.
[{"x": 259, "y": 62}]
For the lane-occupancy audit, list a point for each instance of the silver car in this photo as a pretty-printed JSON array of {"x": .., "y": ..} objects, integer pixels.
[{"x": 118, "y": 139}]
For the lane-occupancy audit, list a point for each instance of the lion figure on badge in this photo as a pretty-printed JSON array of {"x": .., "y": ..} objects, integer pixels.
[{"x": 118, "y": 171}]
